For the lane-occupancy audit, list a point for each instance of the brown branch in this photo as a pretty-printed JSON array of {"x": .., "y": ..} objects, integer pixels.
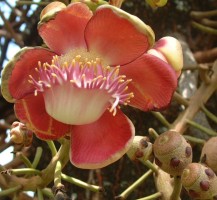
[
  {"x": 47, "y": 175},
  {"x": 206, "y": 56},
  {"x": 10, "y": 29},
  {"x": 199, "y": 98}
]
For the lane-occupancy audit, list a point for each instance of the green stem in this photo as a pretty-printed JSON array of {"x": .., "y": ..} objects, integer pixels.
[
  {"x": 202, "y": 128},
  {"x": 177, "y": 188},
  {"x": 161, "y": 118},
  {"x": 204, "y": 28},
  {"x": 179, "y": 98},
  {"x": 37, "y": 157},
  {"x": 132, "y": 187},
  {"x": 52, "y": 147},
  {"x": 151, "y": 197},
  {"x": 25, "y": 171},
  {"x": 40, "y": 194},
  {"x": 150, "y": 165},
  {"x": 203, "y": 14},
  {"x": 209, "y": 114},
  {"x": 194, "y": 139},
  {"x": 62, "y": 156},
  {"x": 153, "y": 133},
  {"x": 80, "y": 183},
  {"x": 25, "y": 160},
  {"x": 10, "y": 191},
  {"x": 48, "y": 193},
  {"x": 57, "y": 174}
]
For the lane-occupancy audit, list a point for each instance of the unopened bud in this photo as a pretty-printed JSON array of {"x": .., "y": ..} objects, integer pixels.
[
  {"x": 200, "y": 181},
  {"x": 141, "y": 149},
  {"x": 20, "y": 134},
  {"x": 172, "y": 152}
]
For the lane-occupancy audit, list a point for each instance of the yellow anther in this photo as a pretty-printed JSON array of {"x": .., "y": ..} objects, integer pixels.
[
  {"x": 126, "y": 88},
  {"x": 30, "y": 81},
  {"x": 35, "y": 93},
  {"x": 48, "y": 85},
  {"x": 39, "y": 63},
  {"x": 65, "y": 64},
  {"x": 54, "y": 75}
]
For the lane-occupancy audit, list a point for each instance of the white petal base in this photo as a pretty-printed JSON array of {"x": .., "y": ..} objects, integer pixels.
[{"x": 76, "y": 106}]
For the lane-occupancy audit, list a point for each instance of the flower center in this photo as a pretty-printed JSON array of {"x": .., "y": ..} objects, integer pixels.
[{"x": 79, "y": 91}]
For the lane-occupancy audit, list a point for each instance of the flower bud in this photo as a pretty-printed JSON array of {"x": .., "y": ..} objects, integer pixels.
[
  {"x": 200, "y": 181},
  {"x": 209, "y": 155},
  {"x": 169, "y": 49},
  {"x": 172, "y": 152},
  {"x": 51, "y": 8},
  {"x": 156, "y": 3},
  {"x": 20, "y": 134},
  {"x": 141, "y": 149}
]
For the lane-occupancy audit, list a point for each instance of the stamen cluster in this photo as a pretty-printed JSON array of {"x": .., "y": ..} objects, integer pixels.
[{"x": 89, "y": 75}]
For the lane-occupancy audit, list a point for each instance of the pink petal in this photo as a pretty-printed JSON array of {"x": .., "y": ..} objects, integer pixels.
[
  {"x": 153, "y": 82},
  {"x": 31, "y": 111},
  {"x": 101, "y": 143},
  {"x": 117, "y": 36},
  {"x": 64, "y": 30},
  {"x": 16, "y": 73}
]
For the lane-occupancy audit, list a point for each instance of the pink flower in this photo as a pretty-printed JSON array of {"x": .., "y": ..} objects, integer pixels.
[{"x": 97, "y": 61}]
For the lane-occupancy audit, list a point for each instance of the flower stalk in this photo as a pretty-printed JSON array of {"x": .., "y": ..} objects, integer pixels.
[
  {"x": 57, "y": 175},
  {"x": 194, "y": 139},
  {"x": 48, "y": 193},
  {"x": 37, "y": 157},
  {"x": 177, "y": 188},
  {"x": 152, "y": 196},
  {"x": 161, "y": 118},
  {"x": 136, "y": 184},
  {"x": 153, "y": 133},
  {"x": 10, "y": 190},
  {"x": 180, "y": 99},
  {"x": 209, "y": 114},
  {"x": 25, "y": 160},
  {"x": 80, "y": 183},
  {"x": 40, "y": 194},
  {"x": 52, "y": 147},
  {"x": 202, "y": 128},
  {"x": 150, "y": 165},
  {"x": 24, "y": 171}
]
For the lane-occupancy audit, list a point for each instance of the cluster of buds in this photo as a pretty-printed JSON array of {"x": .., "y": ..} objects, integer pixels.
[
  {"x": 20, "y": 134},
  {"x": 200, "y": 181},
  {"x": 172, "y": 152}
]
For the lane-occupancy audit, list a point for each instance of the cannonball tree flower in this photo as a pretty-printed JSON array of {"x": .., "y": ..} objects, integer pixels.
[{"x": 95, "y": 62}]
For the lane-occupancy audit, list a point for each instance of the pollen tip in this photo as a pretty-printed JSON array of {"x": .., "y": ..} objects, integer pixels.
[
  {"x": 54, "y": 75},
  {"x": 30, "y": 81},
  {"x": 78, "y": 57}
]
